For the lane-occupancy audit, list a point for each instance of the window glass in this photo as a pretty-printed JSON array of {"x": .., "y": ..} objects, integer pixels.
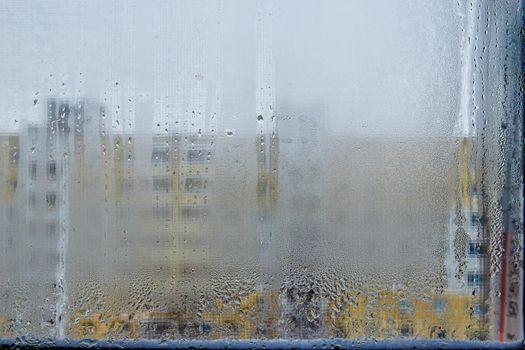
[{"x": 296, "y": 169}]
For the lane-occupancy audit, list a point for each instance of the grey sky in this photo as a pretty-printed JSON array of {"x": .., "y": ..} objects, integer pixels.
[{"x": 376, "y": 67}]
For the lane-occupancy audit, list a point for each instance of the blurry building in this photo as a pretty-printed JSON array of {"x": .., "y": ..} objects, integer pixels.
[
  {"x": 466, "y": 249},
  {"x": 149, "y": 230}
]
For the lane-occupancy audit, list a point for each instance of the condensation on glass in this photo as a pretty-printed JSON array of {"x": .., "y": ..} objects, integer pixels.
[{"x": 259, "y": 170}]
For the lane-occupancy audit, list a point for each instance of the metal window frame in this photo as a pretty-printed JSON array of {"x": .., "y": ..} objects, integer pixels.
[{"x": 335, "y": 343}]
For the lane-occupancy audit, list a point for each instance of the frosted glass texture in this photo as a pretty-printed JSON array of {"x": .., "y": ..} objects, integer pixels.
[{"x": 261, "y": 170}]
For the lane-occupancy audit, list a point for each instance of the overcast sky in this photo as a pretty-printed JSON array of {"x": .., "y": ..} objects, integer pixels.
[{"x": 361, "y": 67}]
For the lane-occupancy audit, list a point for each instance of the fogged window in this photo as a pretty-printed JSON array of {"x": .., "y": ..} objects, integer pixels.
[{"x": 261, "y": 169}]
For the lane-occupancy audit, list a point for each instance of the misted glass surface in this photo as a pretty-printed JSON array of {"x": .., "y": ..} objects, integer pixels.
[{"x": 259, "y": 170}]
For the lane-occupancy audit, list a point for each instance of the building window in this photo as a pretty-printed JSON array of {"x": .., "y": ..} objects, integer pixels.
[
  {"x": 195, "y": 184},
  {"x": 474, "y": 220},
  {"x": 32, "y": 170},
  {"x": 198, "y": 155},
  {"x": 439, "y": 305},
  {"x": 191, "y": 212},
  {"x": 51, "y": 200},
  {"x": 160, "y": 155},
  {"x": 479, "y": 310},
  {"x": 161, "y": 184},
  {"x": 157, "y": 328},
  {"x": 476, "y": 248},
  {"x": 474, "y": 278},
  {"x": 406, "y": 330},
  {"x": 438, "y": 332},
  {"x": 51, "y": 170},
  {"x": 63, "y": 117},
  {"x": 404, "y": 305}
]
